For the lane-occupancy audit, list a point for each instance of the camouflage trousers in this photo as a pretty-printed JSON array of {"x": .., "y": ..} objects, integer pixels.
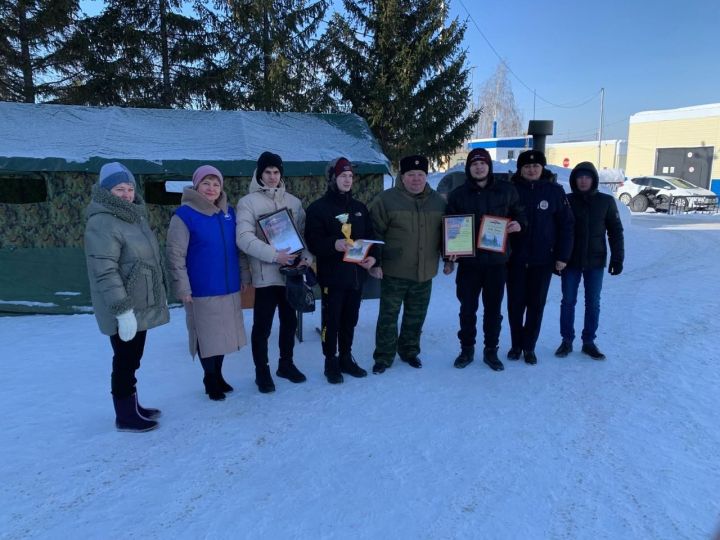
[{"x": 414, "y": 298}]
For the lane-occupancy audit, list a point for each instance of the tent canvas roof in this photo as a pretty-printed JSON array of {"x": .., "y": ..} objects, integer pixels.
[{"x": 156, "y": 141}]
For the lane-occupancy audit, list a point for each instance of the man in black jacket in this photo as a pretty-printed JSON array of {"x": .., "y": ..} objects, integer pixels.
[
  {"x": 543, "y": 247},
  {"x": 341, "y": 282},
  {"x": 484, "y": 272},
  {"x": 596, "y": 218}
]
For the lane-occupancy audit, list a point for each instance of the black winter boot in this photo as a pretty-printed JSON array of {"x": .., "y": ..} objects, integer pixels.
[
  {"x": 490, "y": 357},
  {"x": 530, "y": 358},
  {"x": 263, "y": 379},
  {"x": 288, "y": 370},
  {"x": 592, "y": 351},
  {"x": 564, "y": 349},
  {"x": 379, "y": 368},
  {"x": 224, "y": 386},
  {"x": 349, "y": 366},
  {"x": 212, "y": 387},
  {"x": 127, "y": 417},
  {"x": 211, "y": 380},
  {"x": 514, "y": 353},
  {"x": 465, "y": 358},
  {"x": 414, "y": 362},
  {"x": 149, "y": 413},
  {"x": 332, "y": 370}
]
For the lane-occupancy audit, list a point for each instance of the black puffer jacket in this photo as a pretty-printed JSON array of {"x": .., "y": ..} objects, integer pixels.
[
  {"x": 596, "y": 216},
  {"x": 497, "y": 198},
  {"x": 549, "y": 234},
  {"x": 322, "y": 229}
]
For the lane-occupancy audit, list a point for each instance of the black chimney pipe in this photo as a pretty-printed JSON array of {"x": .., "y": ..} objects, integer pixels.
[{"x": 540, "y": 129}]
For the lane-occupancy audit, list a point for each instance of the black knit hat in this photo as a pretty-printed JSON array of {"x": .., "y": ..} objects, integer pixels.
[
  {"x": 413, "y": 163},
  {"x": 528, "y": 157},
  {"x": 267, "y": 159},
  {"x": 478, "y": 154}
]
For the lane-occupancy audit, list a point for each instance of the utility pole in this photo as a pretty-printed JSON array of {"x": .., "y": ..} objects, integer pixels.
[
  {"x": 600, "y": 131},
  {"x": 534, "y": 97}
]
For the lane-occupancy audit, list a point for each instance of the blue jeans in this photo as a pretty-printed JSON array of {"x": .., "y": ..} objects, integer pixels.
[{"x": 592, "y": 280}]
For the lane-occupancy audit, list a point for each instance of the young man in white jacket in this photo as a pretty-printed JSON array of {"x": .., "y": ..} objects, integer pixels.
[{"x": 260, "y": 266}]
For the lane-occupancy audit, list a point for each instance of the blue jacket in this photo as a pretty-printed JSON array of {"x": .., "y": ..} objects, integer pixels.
[
  {"x": 213, "y": 266},
  {"x": 549, "y": 234}
]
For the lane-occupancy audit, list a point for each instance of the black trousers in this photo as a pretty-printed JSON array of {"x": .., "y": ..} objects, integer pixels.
[
  {"x": 470, "y": 282},
  {"x": 267, "y": 299},
  {"x": 527, "y": 292},
  {"x": 340, "y": 309},
  {"x": 126, "y": 361}
]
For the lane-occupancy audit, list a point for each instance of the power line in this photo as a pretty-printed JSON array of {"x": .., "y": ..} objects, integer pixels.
[
  {"x": 585, "y": 132},
  {"x": 538, "y": 96}
]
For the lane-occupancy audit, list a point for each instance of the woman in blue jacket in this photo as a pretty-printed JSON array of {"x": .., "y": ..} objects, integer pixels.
[{"x": 204, "y": 264}]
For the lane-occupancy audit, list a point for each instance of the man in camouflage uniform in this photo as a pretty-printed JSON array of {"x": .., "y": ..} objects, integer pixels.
[{"x": 408, "y": 218}]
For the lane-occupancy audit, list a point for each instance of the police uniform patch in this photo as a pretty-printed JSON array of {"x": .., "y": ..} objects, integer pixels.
[{"x": 543, "y": 205}]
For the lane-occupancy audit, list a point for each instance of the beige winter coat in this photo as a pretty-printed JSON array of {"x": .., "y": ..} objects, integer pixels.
[
  {"x": 214, "y": 322},
  {"x": 256, "y": 257},
  {"x": 123, "y": 261}
]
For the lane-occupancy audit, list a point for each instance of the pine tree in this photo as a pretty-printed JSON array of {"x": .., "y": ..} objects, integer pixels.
[
  {"x": 498, "y": 102},
  {"x": 397, "y": 64},
  {"x": 275, "y": 55},
  {"x": 32, "y": 34},
  {"x": 223, "y": 56},
  {"x": 136, "y": 53}
]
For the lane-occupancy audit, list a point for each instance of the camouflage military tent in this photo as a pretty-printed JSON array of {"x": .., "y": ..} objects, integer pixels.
[{"x": 50, "y": 156}]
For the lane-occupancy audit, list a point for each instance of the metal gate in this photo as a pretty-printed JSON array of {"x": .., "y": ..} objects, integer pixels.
[{"x": 691, "y": 164}]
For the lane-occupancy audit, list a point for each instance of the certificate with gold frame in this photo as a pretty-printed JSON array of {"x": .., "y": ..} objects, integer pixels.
[
  {"x": 358, "y": 252},
  {"x": 459, "y": 235},
  {"x": 493, "y": 234}
]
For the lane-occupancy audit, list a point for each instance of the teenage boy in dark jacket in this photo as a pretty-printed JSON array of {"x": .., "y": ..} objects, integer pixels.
[
  {"x": 596, "y": 218},
  {"x": 484, "y": 272},
  {"x": 341, "y": 282},
  {"x": 543, "y": 247}
]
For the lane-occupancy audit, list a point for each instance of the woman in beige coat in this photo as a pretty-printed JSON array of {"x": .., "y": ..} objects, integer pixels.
[
  {"x": 126, "y": 284},
  {"x": 205, "y": 269}
]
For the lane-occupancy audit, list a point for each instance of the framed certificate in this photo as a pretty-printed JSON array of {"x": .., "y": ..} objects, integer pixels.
[
  {"x": 459, "y": 235},
  {"x": 358, "y": 252},
  {"x": 493, "y": 234},
  {"x": 280, "y": 231}
]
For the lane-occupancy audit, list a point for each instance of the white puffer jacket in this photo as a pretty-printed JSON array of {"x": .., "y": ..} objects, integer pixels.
[{"x": 256, "y": 257}]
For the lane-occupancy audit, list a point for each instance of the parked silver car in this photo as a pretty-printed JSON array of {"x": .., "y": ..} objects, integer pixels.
[{"x": 682, "y": 193}]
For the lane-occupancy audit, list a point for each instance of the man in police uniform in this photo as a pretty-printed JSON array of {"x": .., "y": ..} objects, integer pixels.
[{"x": 542, "y": 248}]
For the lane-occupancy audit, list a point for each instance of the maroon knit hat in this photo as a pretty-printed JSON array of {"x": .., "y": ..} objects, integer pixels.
[
  {"x": 342, "y": 165},
  {"x": 478, "y": 154}
]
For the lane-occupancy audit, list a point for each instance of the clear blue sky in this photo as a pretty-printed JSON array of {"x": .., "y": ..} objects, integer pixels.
[{"x": 647, "y": 55}]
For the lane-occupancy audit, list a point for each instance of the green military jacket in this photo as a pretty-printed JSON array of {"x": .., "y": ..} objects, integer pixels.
[{"x": 411, "y": 227}]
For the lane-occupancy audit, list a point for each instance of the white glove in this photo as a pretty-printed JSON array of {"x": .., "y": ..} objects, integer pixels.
[{"x": 127, "y": 325}]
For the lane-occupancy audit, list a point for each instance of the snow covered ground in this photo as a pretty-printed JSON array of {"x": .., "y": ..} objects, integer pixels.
[{"x": 571, "y": 448}]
